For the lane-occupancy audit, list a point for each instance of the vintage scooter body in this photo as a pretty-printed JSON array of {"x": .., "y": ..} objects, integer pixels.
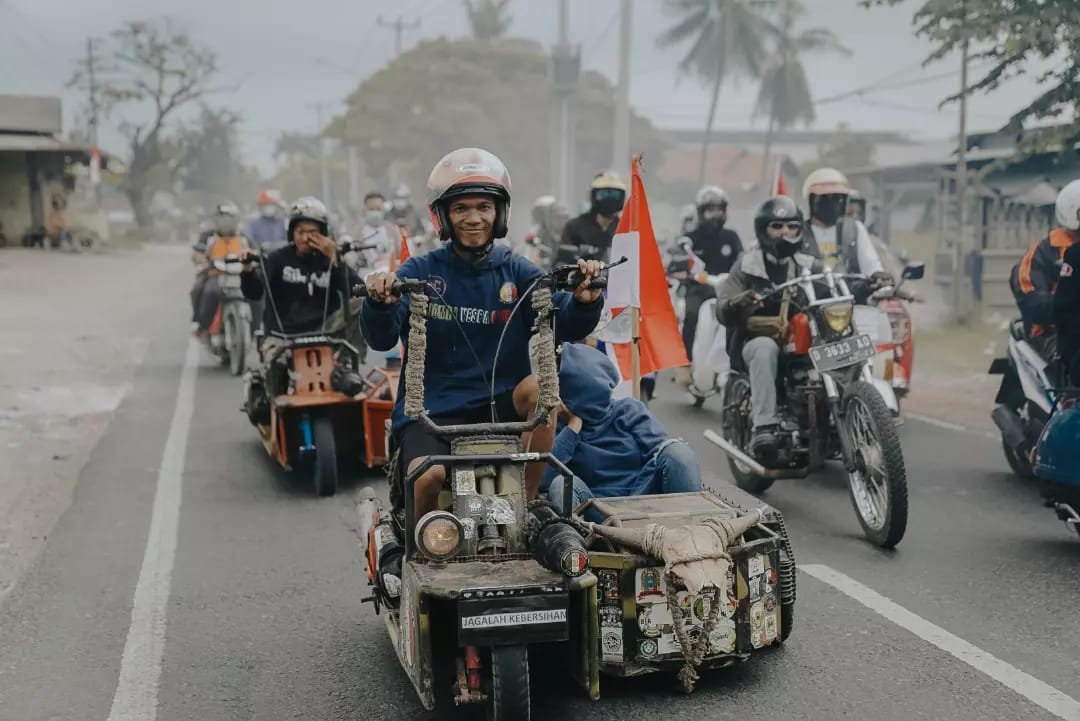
[
  {"x": 1025, "y": 399},
  {"x": 1057, "y": 460}
]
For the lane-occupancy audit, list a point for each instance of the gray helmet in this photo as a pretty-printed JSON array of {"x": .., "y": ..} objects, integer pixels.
[
  {"x": 711, "y": 195},
  {"x": 226, "y": 218},
  {"x": 312, "y": 209}
]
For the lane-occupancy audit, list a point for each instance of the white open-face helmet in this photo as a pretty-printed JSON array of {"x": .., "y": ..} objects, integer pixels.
[
  {"x": 825, "y": 181},
  {"x": 1067, "y": 207}
]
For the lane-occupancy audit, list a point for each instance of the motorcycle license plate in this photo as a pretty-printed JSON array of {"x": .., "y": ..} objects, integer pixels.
[{"x": 842, "y": 353}]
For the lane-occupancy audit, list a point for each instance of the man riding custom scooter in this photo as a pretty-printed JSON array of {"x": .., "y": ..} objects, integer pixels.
[{"x": 474, "y": 285}]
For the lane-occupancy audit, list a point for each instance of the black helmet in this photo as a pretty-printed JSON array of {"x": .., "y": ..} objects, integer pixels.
[
  {"x": 312, "y": 209},
  {"x": 778, "y": 209}
]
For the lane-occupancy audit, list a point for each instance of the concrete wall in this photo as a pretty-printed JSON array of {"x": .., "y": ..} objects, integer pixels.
[{"x": 15, "y": 214}]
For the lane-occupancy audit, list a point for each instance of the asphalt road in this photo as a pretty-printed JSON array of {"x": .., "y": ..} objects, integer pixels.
[{"x": 258, "y": 614}]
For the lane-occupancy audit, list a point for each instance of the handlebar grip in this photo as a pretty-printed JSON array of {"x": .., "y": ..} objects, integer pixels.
[{"x": 574, "y": 280}]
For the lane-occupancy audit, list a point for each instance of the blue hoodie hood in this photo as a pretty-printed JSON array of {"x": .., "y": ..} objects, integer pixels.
[{"x": 618, "y": 438}]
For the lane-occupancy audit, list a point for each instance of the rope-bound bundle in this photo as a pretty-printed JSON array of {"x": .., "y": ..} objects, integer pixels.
[
  {"x": 417, "y": 355},
  {"x": 695, "y": 558},
  {"x": 543, "y": 348}
]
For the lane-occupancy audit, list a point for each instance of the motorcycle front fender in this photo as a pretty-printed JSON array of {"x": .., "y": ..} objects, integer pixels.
[{"x": 887, "y": 393}]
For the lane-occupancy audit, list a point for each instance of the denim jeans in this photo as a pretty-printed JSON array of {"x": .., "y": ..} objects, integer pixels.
[{"x": 675, "y": 469}]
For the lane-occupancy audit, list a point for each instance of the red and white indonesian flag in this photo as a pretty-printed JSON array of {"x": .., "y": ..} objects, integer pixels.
[{"x": 639, "y": 283}]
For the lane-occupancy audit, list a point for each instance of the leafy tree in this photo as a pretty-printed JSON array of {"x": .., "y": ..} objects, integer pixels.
[
  {"x": 412, "y": 112},
  {"x": 209, "y": 158},
  {"x": 488, "y": 18},
  {"x": 153, "y": 71},
  {"x": 1011, "y": 37},
  {"x": 844, "y": 151},
  {"x": 784, "y": 95},
  {"x": 724, "y": 38}
]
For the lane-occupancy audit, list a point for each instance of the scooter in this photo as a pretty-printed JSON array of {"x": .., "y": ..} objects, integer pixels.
[
  {"x": 1025, "y": 400},
  {"x": 1057, "y": 464},
  {"x": 230, "y": 330}
]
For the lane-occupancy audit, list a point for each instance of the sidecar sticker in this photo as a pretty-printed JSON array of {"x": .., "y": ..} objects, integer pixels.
[{"x": 521, "y": 618}]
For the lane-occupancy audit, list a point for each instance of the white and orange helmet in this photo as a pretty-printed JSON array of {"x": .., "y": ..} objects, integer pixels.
[{"x": 469, "y": 171}]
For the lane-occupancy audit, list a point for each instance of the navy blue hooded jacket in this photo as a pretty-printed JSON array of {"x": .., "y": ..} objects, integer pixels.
[
  {"x": 615, "y": 451},
  {"x": 480, "y": 297}
]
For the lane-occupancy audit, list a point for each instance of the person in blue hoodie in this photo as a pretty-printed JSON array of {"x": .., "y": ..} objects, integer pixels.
[
  {"x": 613, "y": 447},
  {"x": 473, "y": 286}
]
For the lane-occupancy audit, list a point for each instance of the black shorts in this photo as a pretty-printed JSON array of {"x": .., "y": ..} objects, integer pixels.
[{"x": 416, "y": 440}]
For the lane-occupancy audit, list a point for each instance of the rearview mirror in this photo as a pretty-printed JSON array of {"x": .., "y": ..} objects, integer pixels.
[{"x": 914, "y": 271}]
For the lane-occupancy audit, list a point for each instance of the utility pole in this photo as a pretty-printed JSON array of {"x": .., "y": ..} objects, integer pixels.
[
  {"x": 399, "y": 26},
  {"x": 565, "y": 71},
  {"x": 324, "y": 171},
  {"x": 622, "y": 99},
  {"x": 961, "y": 181},
  {"x": 95, "y": 152}
]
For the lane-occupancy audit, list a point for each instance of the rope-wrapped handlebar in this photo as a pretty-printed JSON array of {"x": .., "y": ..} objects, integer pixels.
[
  {"x": 417, "y": 355},
  {"x": 543, "y": 349}
]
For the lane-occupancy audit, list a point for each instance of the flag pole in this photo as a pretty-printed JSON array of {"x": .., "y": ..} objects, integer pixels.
[{"x": 635, "y": 313}]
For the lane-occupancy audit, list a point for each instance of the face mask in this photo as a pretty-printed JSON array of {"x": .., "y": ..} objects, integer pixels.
[
  {"x": 787, "y": 247},
  {"x": 268, "y": 211},
  {"x": 829, "y": 208},
  {"x": 401, "y": 204},
  {"x": 374, "y": 217}
]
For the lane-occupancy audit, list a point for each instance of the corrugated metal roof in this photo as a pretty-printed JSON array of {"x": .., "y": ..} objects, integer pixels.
[{"x": 29, "y": 143}]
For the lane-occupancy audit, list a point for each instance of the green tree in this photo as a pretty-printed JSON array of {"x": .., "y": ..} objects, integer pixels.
[
  {"x": 412, "y": 112},
  {"x": 725, "y": 38},
  {"x": 844, "y": 151},
  {"x": 1010, "y": 37},
  {"x": 488, "y": 18},
  {"x": 784, "y": 94},
  {"x": 153, "y": 71},
  {"x": 209, "y": 161}
]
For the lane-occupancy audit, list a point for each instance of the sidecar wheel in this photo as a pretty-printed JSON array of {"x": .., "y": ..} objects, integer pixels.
[
  {"x": 509, "y": 684},
  {"x": 325, "y": 471}
]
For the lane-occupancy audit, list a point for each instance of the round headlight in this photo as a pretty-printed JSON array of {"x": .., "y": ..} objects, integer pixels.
[
  {"x": 439, "y": 535},
  {"x": 838, "y": 316}
]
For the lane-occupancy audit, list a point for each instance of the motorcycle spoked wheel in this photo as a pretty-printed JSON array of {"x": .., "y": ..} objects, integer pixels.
[
  {"x": 878, "y": 486},
  {"x": 509, "y": 698},
  {"x": 738, "y": 428}
]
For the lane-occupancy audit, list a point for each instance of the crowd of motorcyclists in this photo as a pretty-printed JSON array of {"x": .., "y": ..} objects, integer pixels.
[{"x": 296, "y": 272}]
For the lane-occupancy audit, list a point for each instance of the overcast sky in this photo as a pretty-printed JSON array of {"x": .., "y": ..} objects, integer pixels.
[{"x": 287, "y": 56}]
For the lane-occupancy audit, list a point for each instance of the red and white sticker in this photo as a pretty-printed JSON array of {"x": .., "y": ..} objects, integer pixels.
[{"x": 1066, "y": 270}]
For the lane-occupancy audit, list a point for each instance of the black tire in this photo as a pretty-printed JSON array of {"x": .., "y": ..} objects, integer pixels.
[
  {"x": 738, "y": 427},
  {"x": 324, "y": 470},
  {"x": 787, "y": 605},
  {"x": 1019, "y": 465},
  {"x": 879, "y": 418},
  {"x": 509, "y": 684}
]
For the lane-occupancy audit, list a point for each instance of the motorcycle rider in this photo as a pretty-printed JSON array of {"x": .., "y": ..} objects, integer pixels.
[
  {"x": 303, "y": 283},
  {"x": 834, "y": 237},
  {"x": 377, "y": 230},
  {"x": 225, "y": 240},
  {"x": 474, "y": 285},
  {"x": 589, "y": 235},
  {"x": 549, "y": 219},
  {"x": 779, "y": 255},
  {"x": 1034, "y": 279},
  {"x": 404, "y": 214},
  {"x": 717, "y": 248},
  {"x": 267, "y": 231}
]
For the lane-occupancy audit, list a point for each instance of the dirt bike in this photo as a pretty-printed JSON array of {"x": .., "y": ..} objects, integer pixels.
[
  {"x": 830, "y": 408},
  {"x": 230, "y": 330},
  {"x": 472, "y": 589}
]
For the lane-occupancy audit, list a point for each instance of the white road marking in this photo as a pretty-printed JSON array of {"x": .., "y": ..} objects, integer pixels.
[
  {"x": 1042, "y": 694},
  {"x": 140, "y": 668}
]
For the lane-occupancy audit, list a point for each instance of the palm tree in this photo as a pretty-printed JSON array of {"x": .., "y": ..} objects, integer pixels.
[
  {"x": 488, "y": 18},
  {"x": 725, "y": 37},
  {"x": 784, "y": 94}
]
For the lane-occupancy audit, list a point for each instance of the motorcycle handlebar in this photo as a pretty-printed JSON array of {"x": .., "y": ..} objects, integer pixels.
[{"x": 400, "y": 287}]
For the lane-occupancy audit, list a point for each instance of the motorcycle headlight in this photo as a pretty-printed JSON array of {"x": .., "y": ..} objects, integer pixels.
[
  {"x": 838, "y": 316},
  {"x": 439, "y": 535}
]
